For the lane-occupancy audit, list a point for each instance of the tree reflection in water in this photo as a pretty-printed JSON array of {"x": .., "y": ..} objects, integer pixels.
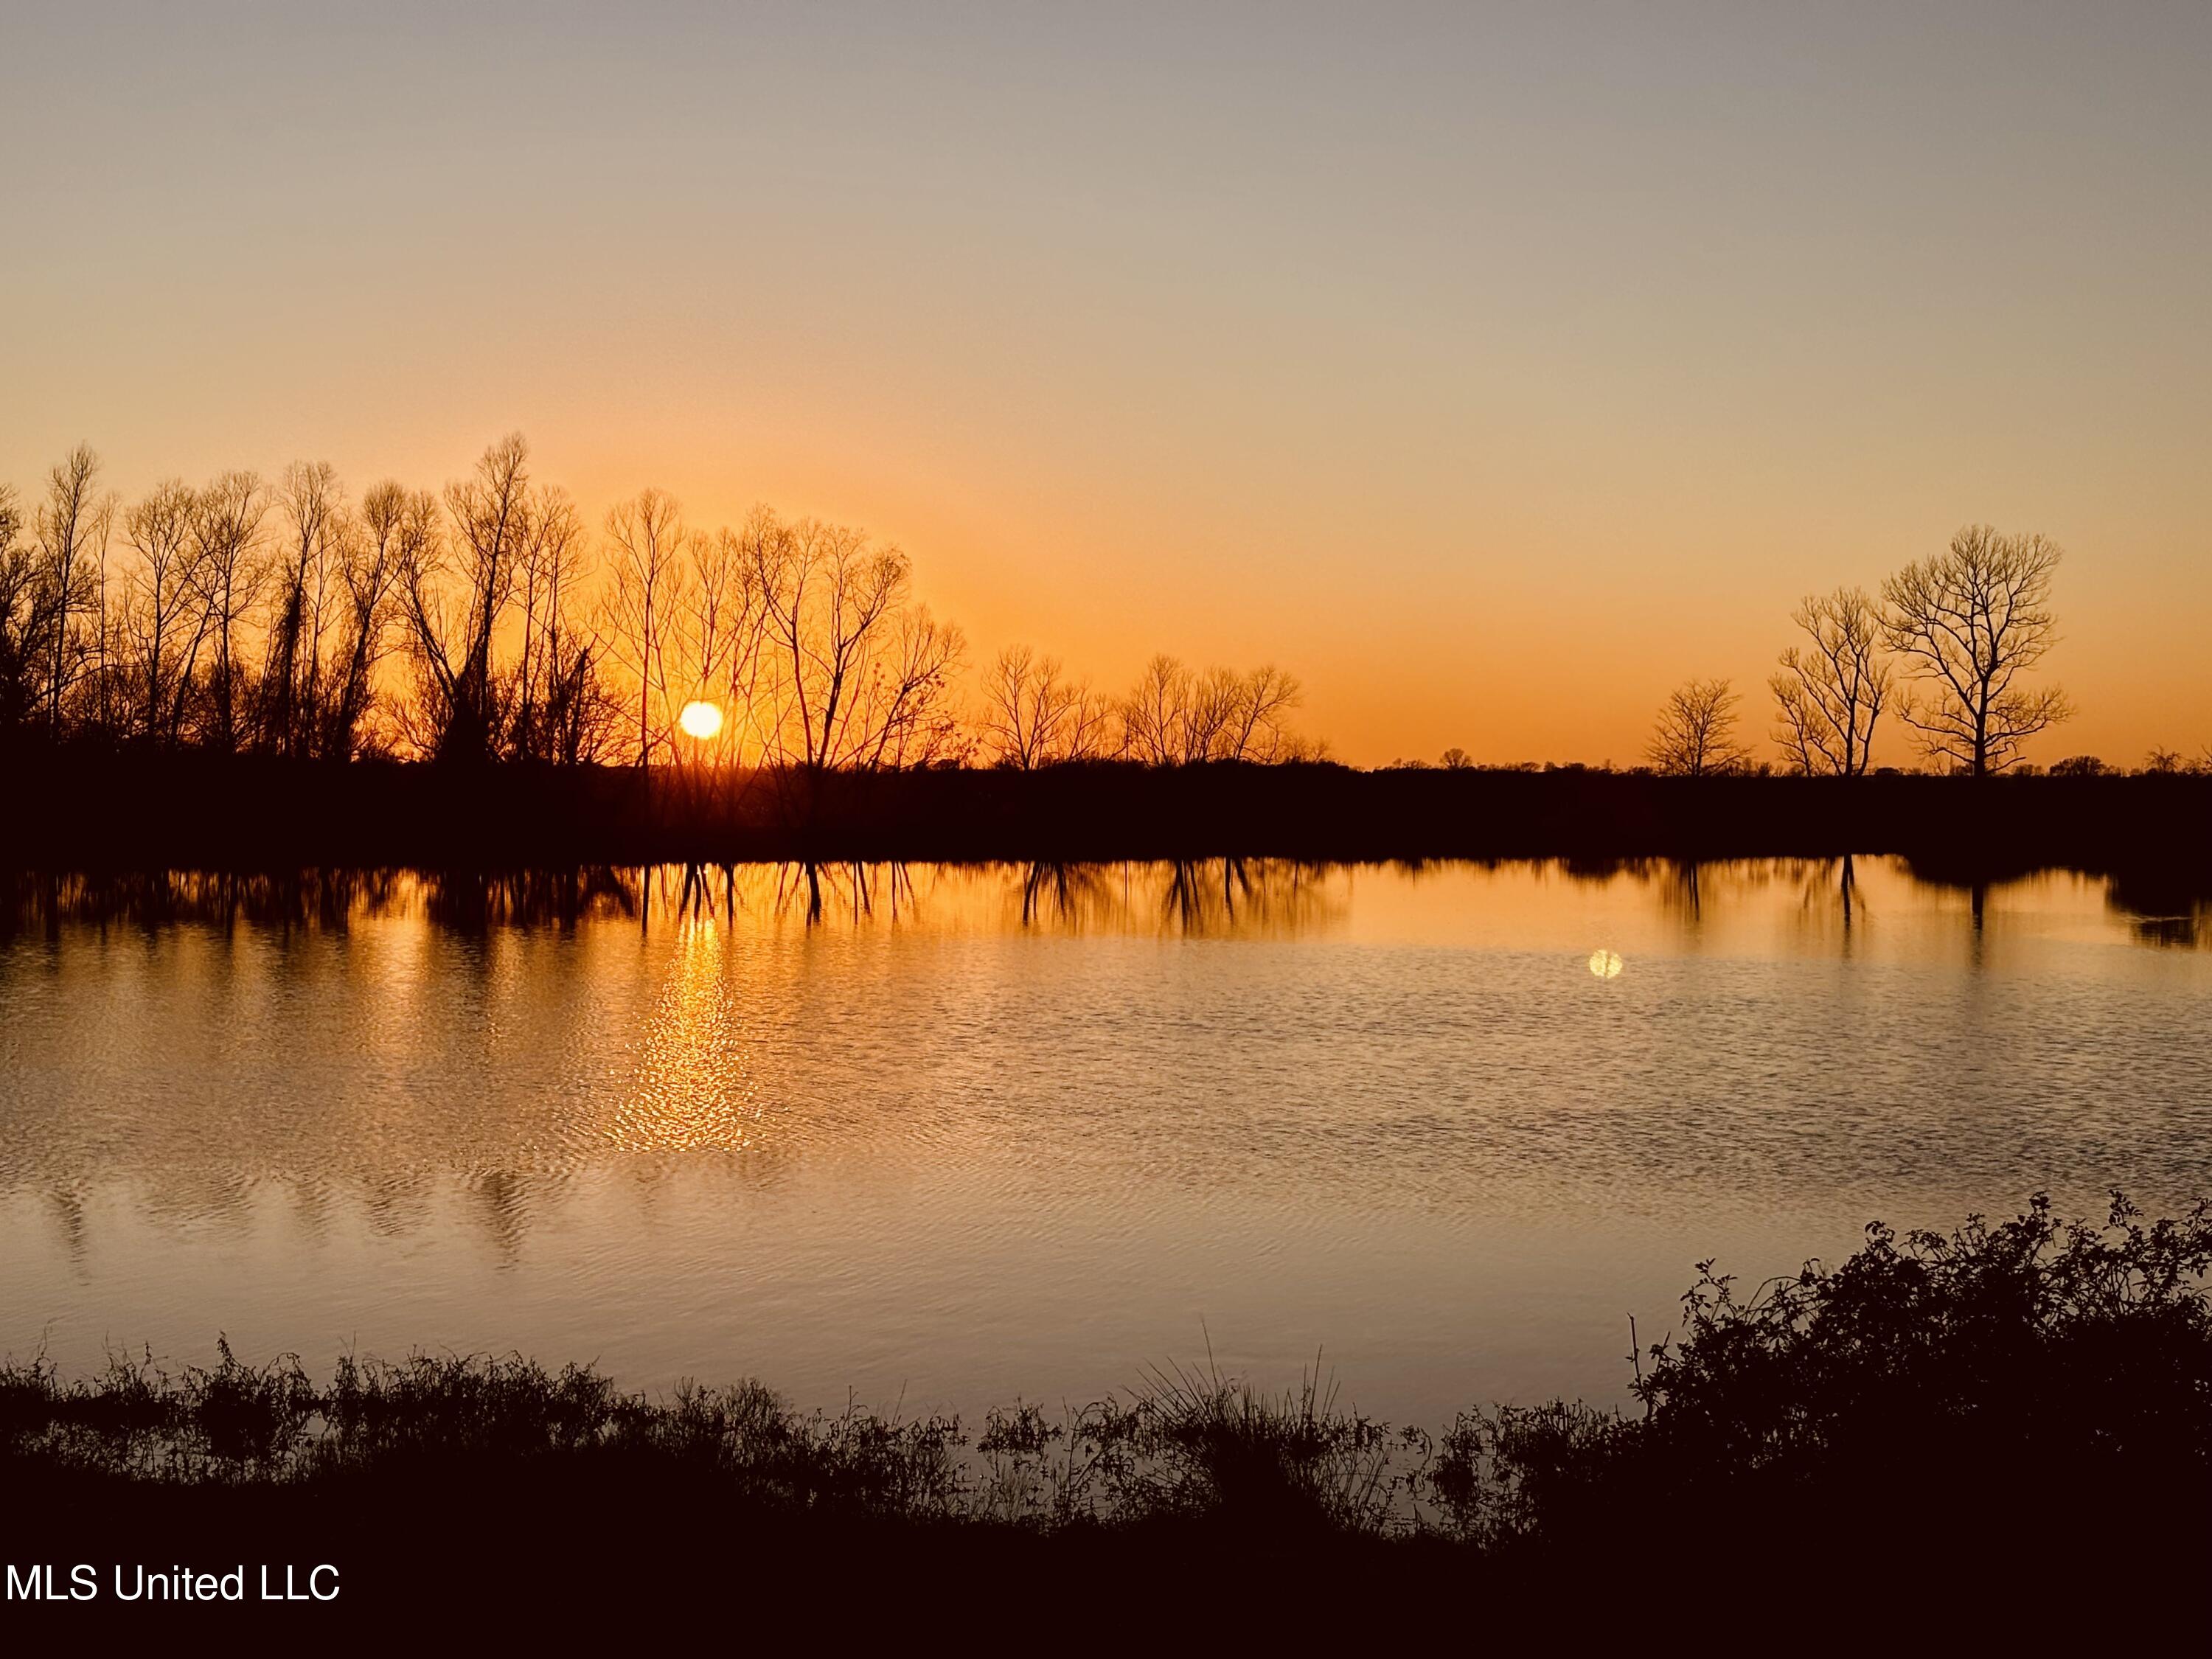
[{"x": 845, "y": 1095}]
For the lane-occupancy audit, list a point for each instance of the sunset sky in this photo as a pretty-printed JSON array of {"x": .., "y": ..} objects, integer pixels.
[{"x": 1493, "y": 367}]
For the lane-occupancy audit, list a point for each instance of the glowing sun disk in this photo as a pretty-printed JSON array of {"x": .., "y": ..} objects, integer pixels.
[{"x": 699, "y": 720}]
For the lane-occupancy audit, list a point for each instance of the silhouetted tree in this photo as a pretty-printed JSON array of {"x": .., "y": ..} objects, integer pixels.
[
  {"x": 1033, "y": 715},
  {"x": 582, "y": 716},
  {"x": 1209, "y": 715},
  {"x": 1174, "y": 717},
  {"x": 904, "y": 714},
  {"x": 720, "y": 621},
  {"x": 649, "y": 549},
  {"x": 1695, "y": 734},
  {"x": 1969, "y": 622},
  {"x": 309, "y": 564},
  {"x": 396, "y": 527},
  {"x": 563, "y": 711},
  {"x": 2080, "y": 766},
  {"x": 227, "y": 570},
  {"x": 1258, "y": 701},
  {"x": 859, "y": 675},
  {"x": 454, "y": 606},
  {"x": 165, "y": 618},
  {"x": 1088, "y": 731},
  {"x": 1156, "y": 715},
  {"x": 25, "y": 602},
  {"x": 73, "y": 527},
  {"x": 1828, "y": 696},
  {"x": 736, "y": 658}
]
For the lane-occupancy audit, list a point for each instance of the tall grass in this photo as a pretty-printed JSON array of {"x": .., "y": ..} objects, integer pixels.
[{"x": 1187, "y": 1445}]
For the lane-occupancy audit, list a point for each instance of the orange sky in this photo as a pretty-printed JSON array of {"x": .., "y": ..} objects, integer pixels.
[{"x": 1493, "y": 368}]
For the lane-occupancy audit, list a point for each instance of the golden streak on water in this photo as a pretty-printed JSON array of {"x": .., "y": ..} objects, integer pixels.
[
  {"x": 692, "y": 1088},
  {"x": 1605, "y": 964}
]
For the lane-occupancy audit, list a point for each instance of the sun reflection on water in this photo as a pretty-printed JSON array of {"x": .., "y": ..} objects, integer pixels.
[{"x": 692, "y": 1086}]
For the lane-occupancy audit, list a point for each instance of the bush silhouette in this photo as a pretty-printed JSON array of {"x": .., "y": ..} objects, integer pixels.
[{"x": 2035, "y": 1362}]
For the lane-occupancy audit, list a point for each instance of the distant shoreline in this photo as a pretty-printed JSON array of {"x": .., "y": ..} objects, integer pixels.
[{"x": 82, "y": 813}]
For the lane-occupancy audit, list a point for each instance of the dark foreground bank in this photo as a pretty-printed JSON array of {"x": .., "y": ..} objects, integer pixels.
[
  {"x": 79, "y": 812},
  {"x": 1937, "y": 1415}
]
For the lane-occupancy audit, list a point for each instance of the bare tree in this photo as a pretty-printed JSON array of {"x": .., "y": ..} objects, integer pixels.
[
  {"x": 859, "y": 675},
  {"x": 650, "y": 551},
  {"x": 1457, "y": 759},
  {"x": 557, "y": 659},
  {"x": 582, "y": 717},
  {"x": 555, "y": 703},
  {"x": 455, "y": 600},
  {"x": 73, "y": 527},
  {"x": 1092, "y": 727},
  {"x": 165, "y": 614},
  {"x": 1032, "y": 714},
  {"x": 1255, "y": 730},
  {"x": 397, "y": 528},
  {"x": 904, "y": 715},
  {"x": 24, "y": 619},
  {"x": 1695, "y": 734},
  {"x": 312, "y": 557},
  {"x": 722, "y": 627},
  {"x": 1156, "y": 715},
  {"x": 1210, "y": 714},
  {"x": 227, "y": 570},
  {"x": 1969, "y": 622},
  {"x": 109, "y": 694},
  {"x": 737, "y": 655},
  {"x": 687, "y": 620},
  {"x": 1174, "y": 717},
  {"x": 1828, "y": 694}
]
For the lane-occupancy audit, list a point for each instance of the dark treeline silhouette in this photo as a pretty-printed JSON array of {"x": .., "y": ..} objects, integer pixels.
[
  {"x": 78, "y": 811},
  {"x": 485, "y": 623},
  {"x": 249, "y": 674},
  {"x": 1955, "y": 1397}
]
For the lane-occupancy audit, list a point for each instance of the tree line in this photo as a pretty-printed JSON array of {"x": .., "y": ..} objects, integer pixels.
[
  {"x": 1944, "y": 650},
  {"x": 486, "y": 623}
]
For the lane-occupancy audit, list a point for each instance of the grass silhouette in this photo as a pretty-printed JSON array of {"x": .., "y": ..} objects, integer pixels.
[{"x": 1946, "y": 1399}]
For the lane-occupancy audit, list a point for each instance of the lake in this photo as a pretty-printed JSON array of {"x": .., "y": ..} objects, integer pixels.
[{"x": 951, "y": 1135}]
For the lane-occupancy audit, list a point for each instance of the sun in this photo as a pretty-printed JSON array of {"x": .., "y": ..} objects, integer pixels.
[
  {"x": 699, "y": 720},
  {"x": 1605, "y": 964}
]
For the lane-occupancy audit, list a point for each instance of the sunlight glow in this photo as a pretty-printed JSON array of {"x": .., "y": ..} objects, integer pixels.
[
  {"x": 694, "y": 1087},
  {"x": 699, "y": 720},
  {"x": 1605, "y": 964}
]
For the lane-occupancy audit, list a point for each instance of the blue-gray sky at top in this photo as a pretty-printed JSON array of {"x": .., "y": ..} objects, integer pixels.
[{"x": 1494, "y": 366}]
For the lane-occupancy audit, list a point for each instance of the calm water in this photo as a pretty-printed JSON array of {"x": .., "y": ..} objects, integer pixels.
[{"x": 955, "y": 1136}]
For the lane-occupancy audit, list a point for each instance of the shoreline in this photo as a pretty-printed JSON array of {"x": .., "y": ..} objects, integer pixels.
[
  {"x": 87, "y": 813},
  {"x": 2041, "y": 1366}
]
